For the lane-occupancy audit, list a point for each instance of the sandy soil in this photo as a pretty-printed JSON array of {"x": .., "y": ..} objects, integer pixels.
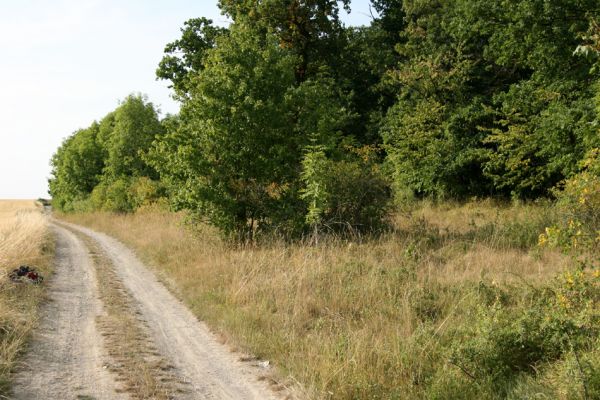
[{"x": 66, "y": 357}]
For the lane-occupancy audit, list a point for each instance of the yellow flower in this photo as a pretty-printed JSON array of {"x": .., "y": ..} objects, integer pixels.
[
  {"x": 570, "y": 280},
  {"x": 563, "y": 301}
]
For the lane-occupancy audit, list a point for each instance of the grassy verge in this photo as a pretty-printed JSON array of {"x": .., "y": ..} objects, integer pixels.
[
  {"x": 380, "y": 318},
  {"x": 24, "y": 239},
  {"x": 144, "y": 374}
]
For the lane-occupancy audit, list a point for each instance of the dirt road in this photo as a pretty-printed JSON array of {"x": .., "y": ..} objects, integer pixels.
[{"x": 67, "y": 357}]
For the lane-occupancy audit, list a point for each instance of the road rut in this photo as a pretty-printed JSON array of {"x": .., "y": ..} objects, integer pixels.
[{"x": 66, "y": 355}]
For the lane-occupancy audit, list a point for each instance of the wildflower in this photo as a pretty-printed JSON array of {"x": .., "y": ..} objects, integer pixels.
[
  {"x": 569, "y": 279},
  {"x": 564, "y": 302},
  {"x": 543, "y": 239}
]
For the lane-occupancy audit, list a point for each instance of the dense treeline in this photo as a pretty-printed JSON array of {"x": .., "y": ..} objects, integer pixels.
[
  {"x": 289, "y": 120},
  {"x": 104, "y": 166}
]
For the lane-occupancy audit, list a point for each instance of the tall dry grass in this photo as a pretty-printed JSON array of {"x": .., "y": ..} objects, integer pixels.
[
  {"x": 23, "y": 240},
  {"x": 347, "y": 319}
]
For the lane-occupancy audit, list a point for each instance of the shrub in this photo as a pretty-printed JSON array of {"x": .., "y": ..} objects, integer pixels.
[
  {"x": 510, "y": 343},
  {"x": 579, "y": 204},
  {"x": 123, "y": 195},
  {"x": 348, "y": 195},
  {"x": 144, "y": 191}
]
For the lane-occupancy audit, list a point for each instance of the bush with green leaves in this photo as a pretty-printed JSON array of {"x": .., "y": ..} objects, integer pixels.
[
  {"x": 234, "y": 158},
  {"x": 124, "y": 195},
  {"x": 525, "y": 339},
  {"x": 578, "y": 202},
  {"x": 349, "y": 195}
]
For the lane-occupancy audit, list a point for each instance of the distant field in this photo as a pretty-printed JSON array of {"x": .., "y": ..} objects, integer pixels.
[{"x": 24, "y": 239}]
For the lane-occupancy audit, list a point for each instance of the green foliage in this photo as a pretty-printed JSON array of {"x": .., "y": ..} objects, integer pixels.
[
  {"x": 113, "y": 196},
  {"x": 511, "y": 106},
  {"x": 144, "y": 191},
  {"x": 420, "y": 151},
  {"x": 231, "y": 157},
  {"x": 234, "y": 157},
  {"x": 360, "y": 71},
  {"x": 347, "y": 195},
  {"x": 314, "y": 166},
  {"x": 542, "y": 135},
  {"x": 184, "y": 57},
  {"x": 134, "y": 128},
  {"x": 578, "y": 203},
  {"x": 310, "y": 29},
  {"x": 516, "y": 346},
  {"x": 76, "y": 167},
  {"x": 124, "y": 195},
  {"x": 95, "y": 167},
  {"x": 467, "y": 97}
]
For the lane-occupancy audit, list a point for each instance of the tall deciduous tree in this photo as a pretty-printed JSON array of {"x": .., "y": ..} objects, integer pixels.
[
  {"x": 235, "y": 155},
  {"x": 76, "y": 167},
  {"x": 510, "y": 104},
  {"x": 184, "y": 57},
  {"x": 311, "y": 29},
  {"x": 135, "y": 125}
]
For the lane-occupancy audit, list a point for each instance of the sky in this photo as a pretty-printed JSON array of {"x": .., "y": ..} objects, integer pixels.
[{"x": 66, "y": 63}]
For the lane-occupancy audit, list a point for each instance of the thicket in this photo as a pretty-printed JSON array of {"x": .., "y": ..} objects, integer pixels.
[{"x": 291, "y": 122}]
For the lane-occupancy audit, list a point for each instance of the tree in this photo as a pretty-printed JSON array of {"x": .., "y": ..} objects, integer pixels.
[
  {"x": 76, "y": 168},
  {"x": 184, "y": 58},
  {"x": 104, "y": 166},
  {"x": 135, "y": 125},
  {"x": 234, "y": 156},
  {"x": 311, "y": 29},
  {"x": 511, "y": 104}
]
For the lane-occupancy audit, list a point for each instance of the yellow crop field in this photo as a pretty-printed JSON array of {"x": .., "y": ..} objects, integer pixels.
[{"x": 24, "y": 239}]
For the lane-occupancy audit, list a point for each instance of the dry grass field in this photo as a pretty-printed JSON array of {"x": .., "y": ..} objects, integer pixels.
[
  {"x": 24, "y": 239},
  {"x": 371, "y": 318}
]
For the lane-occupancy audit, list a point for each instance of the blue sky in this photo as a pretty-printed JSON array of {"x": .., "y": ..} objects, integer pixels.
[{"x": 65, "y": 63}]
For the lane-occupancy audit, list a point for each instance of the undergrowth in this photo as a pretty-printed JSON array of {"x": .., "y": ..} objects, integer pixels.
[{"x": 457, "y": 301}]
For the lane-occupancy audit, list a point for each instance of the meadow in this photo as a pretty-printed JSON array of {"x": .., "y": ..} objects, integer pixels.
[
  {"x": 24, "y": 239},
  {"x": 456, "y": 301}
]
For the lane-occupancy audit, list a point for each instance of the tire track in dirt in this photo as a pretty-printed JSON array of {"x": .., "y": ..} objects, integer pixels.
[
  {"x": 66, "y": 356},
  {"x": 208, "y": 367}
]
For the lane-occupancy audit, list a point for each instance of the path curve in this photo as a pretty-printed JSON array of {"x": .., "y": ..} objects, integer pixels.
[{"x": 210, "y": 368}]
